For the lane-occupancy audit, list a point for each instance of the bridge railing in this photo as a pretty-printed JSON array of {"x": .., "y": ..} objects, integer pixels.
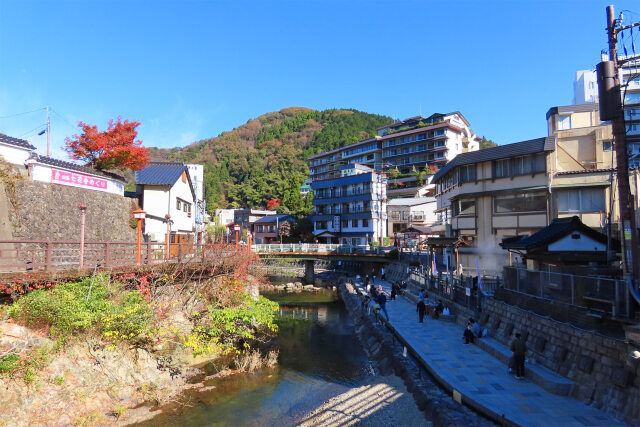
[{"x": 311, "y": 248}]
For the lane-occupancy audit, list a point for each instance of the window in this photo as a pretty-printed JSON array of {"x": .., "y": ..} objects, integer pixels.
[
  {"x": 260, "y": 228},
  {"x": 607, "y": 145},
  {"x": 354, "y": 223},
  {"x": 464, "y": 207},
  {"x": 467, "y": 173},
  {"x": 583, "y": 200},
  {"x": 178, "y": 204},
  {"x": 399, "y": 227},
  {"x": 502, "y": 168},
  {"x": 272, "y": 229},
  {"x": 564, "y": 122},
  {"x": 525, "y": 202},
  {"x": 365, "y": 222},
  {"x": 395, "y": 215},
  {"x": 345, "y": 224}
]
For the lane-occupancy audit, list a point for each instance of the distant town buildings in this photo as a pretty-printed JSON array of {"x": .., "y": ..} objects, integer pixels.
[
  {"x": 350, "y": 208},
  {"x": 269, "y": 229},
  {"x": 585, "y": 87},
  {"x": 406, "y": 212}
]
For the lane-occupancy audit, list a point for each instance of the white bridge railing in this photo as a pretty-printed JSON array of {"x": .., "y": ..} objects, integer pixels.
[{"x": 319, "y": 248}]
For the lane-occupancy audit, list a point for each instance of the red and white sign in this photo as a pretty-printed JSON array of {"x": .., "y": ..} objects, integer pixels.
[
  {"x": 236, "y": 227},
  {"x": 72, "y": 178}
]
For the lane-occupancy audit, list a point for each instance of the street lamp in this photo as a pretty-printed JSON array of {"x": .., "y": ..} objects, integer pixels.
[
  {"x": 83, "y": 209},
  {"x": 139, "y": 214}
]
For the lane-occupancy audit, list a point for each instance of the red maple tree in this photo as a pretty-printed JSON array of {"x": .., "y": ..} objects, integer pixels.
[
  {"x": 114, "y": 148},
  {"x": 273, "y": 204}
]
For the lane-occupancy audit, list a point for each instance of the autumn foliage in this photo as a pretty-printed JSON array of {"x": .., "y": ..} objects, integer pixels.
[
  {"x": 114, "y": 148},
  {"x": 273, "y": 204}
]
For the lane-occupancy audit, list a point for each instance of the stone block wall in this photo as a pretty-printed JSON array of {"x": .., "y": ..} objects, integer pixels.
[
  {"x": 41, "y": 211},
  {"x": 599, "y": 366}
]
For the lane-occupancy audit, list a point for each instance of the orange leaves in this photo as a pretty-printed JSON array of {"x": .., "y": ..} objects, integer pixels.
[{"x": 115, "y": 148}]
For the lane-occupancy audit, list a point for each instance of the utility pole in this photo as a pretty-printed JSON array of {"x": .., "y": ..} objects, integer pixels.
[
  {"x": 611, "y": 109},
  {"x": 48, "y": 133}
]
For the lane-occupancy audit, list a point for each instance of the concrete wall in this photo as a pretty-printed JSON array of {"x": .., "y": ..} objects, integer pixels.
[
  {"x": 50, "y": 212},
  {"x": 13, "y": 154}
]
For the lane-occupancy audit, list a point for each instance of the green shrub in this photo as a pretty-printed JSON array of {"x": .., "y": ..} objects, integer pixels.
[
  {"x": 92, "y": 305},
  {"x": 223, "y": 329}
]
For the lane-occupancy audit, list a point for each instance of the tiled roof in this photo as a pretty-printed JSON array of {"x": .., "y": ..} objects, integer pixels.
[
  {"x": 275, "y": 218},
  {"x": 558, "y": 228},
  {"x": 72, "y": 166},
  {"x": 410, "y": 201},
  {"x": 531, "y": 146},
  {"x": 22, "y": 143},
  {"x": 160, "y": 173}
]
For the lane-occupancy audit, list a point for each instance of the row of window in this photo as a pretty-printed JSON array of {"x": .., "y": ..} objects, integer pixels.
[
  {"x": 405, "y": 215},
  {"x": 354, "y": 223},
  {"x": 358, "y": 150},
  {"x": 266, "y": 229},
  {"x": 413, "y": 138},
  {"x": 181, "y": 205},
  {"x": 325, "y": 193},
  {"x": 514, "y": 166},
  {"x": 418, "y": 148},
  {"x": 575, "y": 200},
  {"x": 343, "y": 209}
]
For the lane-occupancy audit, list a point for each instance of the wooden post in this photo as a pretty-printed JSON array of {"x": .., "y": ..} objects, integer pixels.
[
  {"x": 107, "y": 254},
  {"x": 148, "y": 258},
  {"x": 48, "y": 265}
]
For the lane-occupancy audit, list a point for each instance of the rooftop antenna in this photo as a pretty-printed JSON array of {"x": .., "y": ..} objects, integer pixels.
[{"x": 48, "y": 132}]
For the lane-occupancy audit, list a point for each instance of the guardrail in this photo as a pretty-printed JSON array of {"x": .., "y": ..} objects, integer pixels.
[
  {"x": 310, "y": 248},
  {"x": 39, "y": 255}
]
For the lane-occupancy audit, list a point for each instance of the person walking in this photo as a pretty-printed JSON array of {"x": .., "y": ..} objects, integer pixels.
[
  {"x": 421, "y": 309},
  {"x": 382, "y": 301},
  {"x": 519, "y": 350},
  {"x": 383, "y": 275}
]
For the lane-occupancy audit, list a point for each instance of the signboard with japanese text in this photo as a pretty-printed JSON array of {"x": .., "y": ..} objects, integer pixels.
[{"x": 77, "y": 179}]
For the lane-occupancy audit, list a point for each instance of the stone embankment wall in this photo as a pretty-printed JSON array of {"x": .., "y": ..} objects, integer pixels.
[
  {"x": 604, "y": 374},
  {"x": 40, "y": 211},
  {"x": 437, "y": 405}
]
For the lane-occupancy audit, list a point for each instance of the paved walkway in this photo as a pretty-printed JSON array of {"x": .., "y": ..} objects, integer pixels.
[{"x": 482, "y": 380}]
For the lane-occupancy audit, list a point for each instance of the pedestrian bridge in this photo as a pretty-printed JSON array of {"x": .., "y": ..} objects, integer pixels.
[
  {"x": 320, "y": 251},
  {"x": 309, "y": 253}
]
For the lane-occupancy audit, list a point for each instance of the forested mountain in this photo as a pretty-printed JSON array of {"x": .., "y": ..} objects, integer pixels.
[{"x": 265, "y": 158}]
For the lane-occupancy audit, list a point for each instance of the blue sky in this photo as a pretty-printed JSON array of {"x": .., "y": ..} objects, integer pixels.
[{"x": 189, "y": 70}]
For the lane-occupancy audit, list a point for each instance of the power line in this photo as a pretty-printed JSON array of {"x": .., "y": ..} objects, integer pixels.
[
  {"x": 20, "y": 114},
  {"x": 32, "y": 130},
  {"x": 63, "y": 118}
]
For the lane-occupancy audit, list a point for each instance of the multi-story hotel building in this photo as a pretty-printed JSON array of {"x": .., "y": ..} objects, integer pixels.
[
  {"x": 407, "y": 147},
  {"x": 350, "y": 209}
]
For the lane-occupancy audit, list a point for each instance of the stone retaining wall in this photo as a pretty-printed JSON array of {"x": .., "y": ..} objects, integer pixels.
[{"x": 41, "y": 211}]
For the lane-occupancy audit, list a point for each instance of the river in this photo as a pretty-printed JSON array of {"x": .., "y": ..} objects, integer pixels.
[{"x": 320, "y": 357}]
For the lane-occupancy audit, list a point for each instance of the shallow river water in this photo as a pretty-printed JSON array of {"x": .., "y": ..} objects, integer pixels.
[{"x": 320, "y": 357}]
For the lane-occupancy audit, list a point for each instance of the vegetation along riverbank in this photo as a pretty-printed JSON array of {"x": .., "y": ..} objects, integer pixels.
[{"x": 113, "y": 346}]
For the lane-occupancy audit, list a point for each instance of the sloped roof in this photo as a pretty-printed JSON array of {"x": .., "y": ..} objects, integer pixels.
[
  {"x": 22, "y": 143},
  {"x": 521, "y": 148},
  {"x": 558, "y": 228},
  {"x": 577, "y": 108},
  {"x": 161, "y": 173},
  {"x": 410, "y": 201},
  {"x": 275, "y": 218},
  {"x": 72, "y": 166}
]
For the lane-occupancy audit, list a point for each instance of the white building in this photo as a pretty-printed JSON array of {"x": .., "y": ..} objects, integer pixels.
[
  {"x": 53, "y": 171},
  {"x": 225, "y": 216},
  {"x": 350, "y": 209},
  {"x": 15, "y": 150},
  {"x": 405, "y": 212},
  {"x": 585, "y": 87},
  {"x": 165, "y": 191}
]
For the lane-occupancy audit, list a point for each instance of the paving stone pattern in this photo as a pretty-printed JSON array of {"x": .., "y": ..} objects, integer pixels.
[{"x": 484, "y": 381}]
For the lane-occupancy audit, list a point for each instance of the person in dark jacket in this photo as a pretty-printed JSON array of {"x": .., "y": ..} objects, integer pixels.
[
  {"x": 394, "y": 290},
  {"x": 468, "y": 335},
  {"x": 519, "y": 350},
  {"x": 421, "y": 309},
  {"x": 382, "y": 300}
]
